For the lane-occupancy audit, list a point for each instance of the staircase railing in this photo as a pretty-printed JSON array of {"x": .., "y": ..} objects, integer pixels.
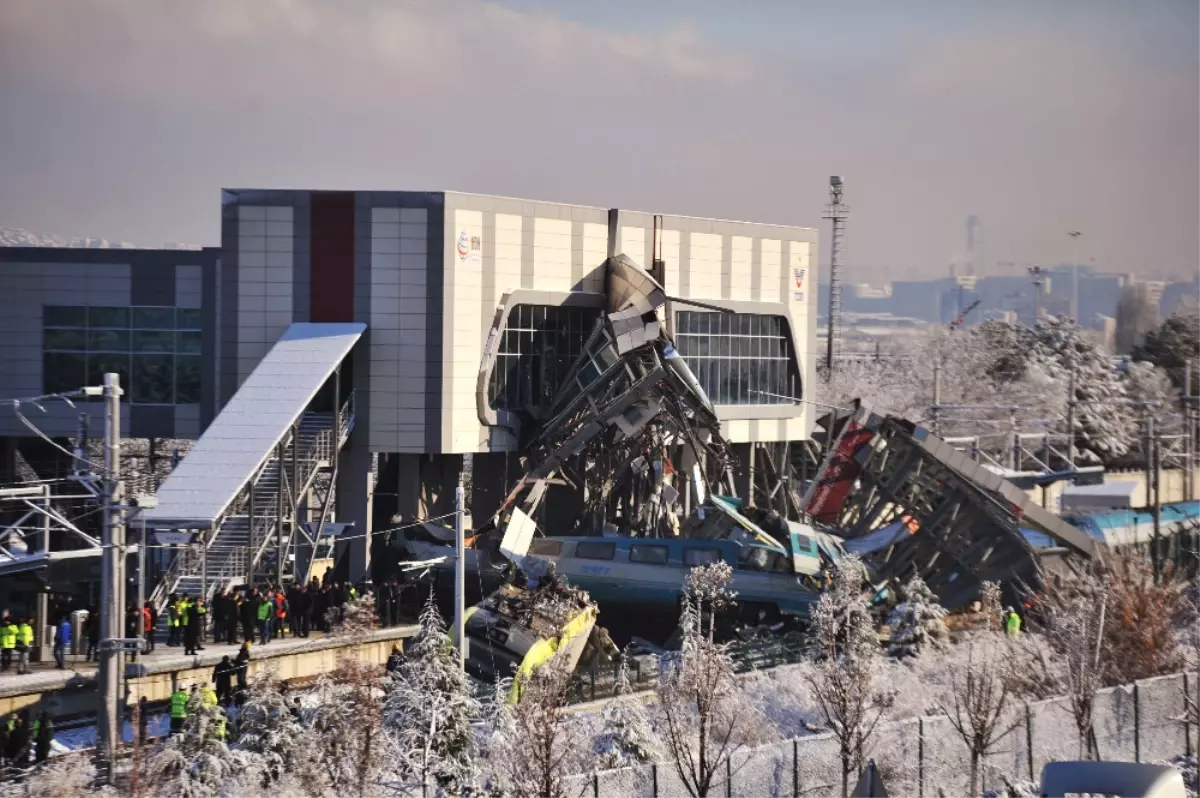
[{"x": 321, "y": 449}]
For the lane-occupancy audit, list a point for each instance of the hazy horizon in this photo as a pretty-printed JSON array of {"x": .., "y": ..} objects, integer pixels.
[{"x": 123, "y": 119}]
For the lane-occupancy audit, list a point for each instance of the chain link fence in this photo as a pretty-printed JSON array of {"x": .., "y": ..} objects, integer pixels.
[{"x": 1142, "y": 722}]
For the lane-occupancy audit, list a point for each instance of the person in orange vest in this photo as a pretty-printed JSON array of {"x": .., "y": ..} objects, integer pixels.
[
  {"x": 148, "y": 620},
  {"x": 281, "y": 610}
]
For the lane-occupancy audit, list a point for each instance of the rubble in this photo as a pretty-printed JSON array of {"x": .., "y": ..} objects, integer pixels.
[{"x": 921, "y": 508}]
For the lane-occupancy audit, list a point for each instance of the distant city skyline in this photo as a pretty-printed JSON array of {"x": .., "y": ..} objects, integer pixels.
[{"x": 122, "y": 120}]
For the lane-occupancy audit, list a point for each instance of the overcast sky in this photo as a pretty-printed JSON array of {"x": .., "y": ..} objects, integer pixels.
[{"x": 124, "y": 118}]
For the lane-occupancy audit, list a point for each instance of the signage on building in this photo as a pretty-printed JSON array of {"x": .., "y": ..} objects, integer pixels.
[
  {"x": 470, "y": 247},
  {"x": 798, "y": 275}
]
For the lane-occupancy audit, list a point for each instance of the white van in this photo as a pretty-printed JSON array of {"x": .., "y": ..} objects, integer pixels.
[{"x": 1060, "y": 779}]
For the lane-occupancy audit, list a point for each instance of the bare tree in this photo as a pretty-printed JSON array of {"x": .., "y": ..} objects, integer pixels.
[
  {"x": 535, "y": 744},
  {"x": 705, "y": 716},
  {"x": 981, "y": 698},
  {"x": 1074, "y": 613},
  {"x": 1141, "y": 629},
  {"x": 845, "y": 677},
  {"x": 344, "y": 750}
]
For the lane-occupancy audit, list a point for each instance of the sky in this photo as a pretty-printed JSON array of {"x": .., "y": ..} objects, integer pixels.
[{"x": 123, "y": 119}]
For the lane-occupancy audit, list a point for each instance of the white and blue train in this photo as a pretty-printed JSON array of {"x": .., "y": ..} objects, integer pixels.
[{"x": 1124, "y": 528}]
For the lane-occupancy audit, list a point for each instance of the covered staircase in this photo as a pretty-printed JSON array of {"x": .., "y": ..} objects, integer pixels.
[{"x": 233, "y": 505}]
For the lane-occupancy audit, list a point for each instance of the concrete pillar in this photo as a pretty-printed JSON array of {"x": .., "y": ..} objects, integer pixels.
[
  {"x": 355, "y": 494},
  {"x": 408, "y": 486},
  {"x": 491, "y": 481}
]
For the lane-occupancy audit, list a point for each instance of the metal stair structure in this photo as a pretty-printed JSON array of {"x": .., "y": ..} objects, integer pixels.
[{"x": 232, "y": 506}]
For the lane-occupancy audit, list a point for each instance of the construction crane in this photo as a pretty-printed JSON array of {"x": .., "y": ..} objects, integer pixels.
[{"x": 958, "y": 320}]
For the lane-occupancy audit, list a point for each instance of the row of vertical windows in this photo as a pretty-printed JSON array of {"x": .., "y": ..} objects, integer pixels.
[
  {"x": 537, "y": 348},
  {"x": 155, "y": 350},
  {"x": 739, "y": 358}
]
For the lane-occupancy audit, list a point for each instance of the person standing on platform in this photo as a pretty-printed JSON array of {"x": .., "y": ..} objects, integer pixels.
[{"x": 62, "y": 641}]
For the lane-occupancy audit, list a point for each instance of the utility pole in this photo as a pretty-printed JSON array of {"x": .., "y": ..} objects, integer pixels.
[
  {"x": 1070, "y": 420},
  {"x": 460, "y": 578},
  {"x": 1152, "y": 486},
  {"x": 1189, "y": 443},
  {"x": 937, "y": 398},
  {"x": 112, "y": 584}
]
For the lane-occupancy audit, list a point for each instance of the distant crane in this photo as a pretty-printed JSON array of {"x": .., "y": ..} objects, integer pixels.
[{"x": 961, "y": 317}]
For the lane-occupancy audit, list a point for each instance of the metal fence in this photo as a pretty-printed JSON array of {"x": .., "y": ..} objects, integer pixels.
[{"x": 1142, "y": 722}]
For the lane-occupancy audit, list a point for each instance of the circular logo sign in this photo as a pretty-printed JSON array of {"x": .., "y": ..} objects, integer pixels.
[{"x": 464, "y": 245}]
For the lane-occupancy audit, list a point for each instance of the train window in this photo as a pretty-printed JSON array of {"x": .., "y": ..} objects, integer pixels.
[
  {"x": 595, "y": 551},
  {"x": 654, "y": 555},
  {"x": 802, "y": 542},
  {"x": 548, "y": 548},
  {"x": 693, "y": 557}
]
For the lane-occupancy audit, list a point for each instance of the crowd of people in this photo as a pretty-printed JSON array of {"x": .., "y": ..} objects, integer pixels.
[{"x": 242, "y": 614}]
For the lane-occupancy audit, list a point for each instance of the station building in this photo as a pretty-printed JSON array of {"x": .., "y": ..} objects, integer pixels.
[{"x": 415, "y": 322}]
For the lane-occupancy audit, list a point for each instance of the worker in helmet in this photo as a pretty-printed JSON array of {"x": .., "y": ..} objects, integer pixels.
[{"x": 1012, "y": 622}]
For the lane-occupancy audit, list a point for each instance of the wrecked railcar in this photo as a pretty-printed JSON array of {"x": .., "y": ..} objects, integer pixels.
[{"x": 926, "y": 509}]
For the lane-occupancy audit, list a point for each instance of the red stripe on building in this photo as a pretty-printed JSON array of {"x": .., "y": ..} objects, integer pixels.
[{"x": 331, "y": 263}]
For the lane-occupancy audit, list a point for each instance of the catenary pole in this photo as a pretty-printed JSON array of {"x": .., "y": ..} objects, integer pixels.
[
  {"x": 112, "y": 583},
  {"x": 460, "y": 578}
]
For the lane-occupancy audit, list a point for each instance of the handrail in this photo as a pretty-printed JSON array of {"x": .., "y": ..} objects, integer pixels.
[{"x": 322, "y": 447}]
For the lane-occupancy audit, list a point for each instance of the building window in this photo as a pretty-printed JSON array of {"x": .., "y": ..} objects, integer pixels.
[
  {"x": 155, "y": 350},
  {"x": 739, "y": 358},
  {"x": 537, "y": 348}
]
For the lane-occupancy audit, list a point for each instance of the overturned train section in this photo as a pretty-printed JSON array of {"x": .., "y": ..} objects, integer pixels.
[{"x": 913, "y": 505}]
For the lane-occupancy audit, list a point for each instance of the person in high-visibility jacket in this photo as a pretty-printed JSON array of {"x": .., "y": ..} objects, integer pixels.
[
  {"x": 265, "y": 609},
  {"x": 173, "y": 620},
  {"x": 8, "y": 643},
  {"x": 24, "y": 643},
  {"x": 208, "y": 696},
  {"x": 1012, "y": 622},
  {"x": 179, "y": 713}
]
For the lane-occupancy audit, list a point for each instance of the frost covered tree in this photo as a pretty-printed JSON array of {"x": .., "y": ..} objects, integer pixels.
[
  {"x": 345, "y": 750},
  {"x": 268, "y": 728},
  {"x": 1170, "y": 345},
  {"x": 706, "y": 589},
  {"x": 982, "y": 700},
  {"x": 845, "y": 678},
  {"x": 918, "y": 622},
  {"x": 198, "y": 763},
  {"x": 991, "y": 600},
  {"x": 1074, "y": 613},
  {"x": 628, "y": 737},
  {"x": 356, "y": 620},
  {"x": 429, "y": 712},
  {"x": 69, "y": 776},
  {"x": 535, "y": 744},
  {"x": 706, "y": 717}
]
